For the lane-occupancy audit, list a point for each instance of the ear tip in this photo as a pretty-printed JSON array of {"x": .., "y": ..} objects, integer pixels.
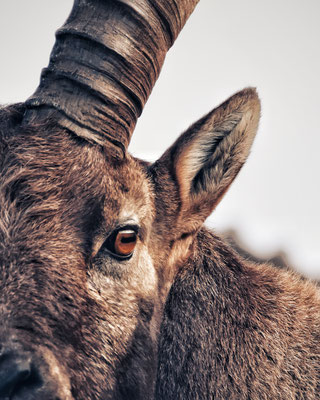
[
  {"x": 247, "y": 100},
  {"x": 252, "y": 93},
  {"x": 249, "y": 94}
]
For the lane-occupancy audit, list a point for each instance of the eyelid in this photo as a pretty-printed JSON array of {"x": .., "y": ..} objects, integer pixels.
[
  {"x": 117, "y": 256},
  {"x": 126, "y": 227}
]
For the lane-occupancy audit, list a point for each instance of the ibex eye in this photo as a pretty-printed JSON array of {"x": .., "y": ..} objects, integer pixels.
[
  {"x": 125, "y": 242},
  {"x": 122, "y": 243}
]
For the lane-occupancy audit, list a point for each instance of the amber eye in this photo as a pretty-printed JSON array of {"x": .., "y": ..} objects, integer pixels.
[
  {"x": 125, "y": 242},
  {"x": 121, "y": 243}
]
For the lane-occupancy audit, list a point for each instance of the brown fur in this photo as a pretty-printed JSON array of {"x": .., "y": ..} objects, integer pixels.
[
  {"x": 59, "y": 195},
  {"x": 237, "y": 330},
  {"x": 90, "y": 322},
  {"x": 231, "y": 329}
]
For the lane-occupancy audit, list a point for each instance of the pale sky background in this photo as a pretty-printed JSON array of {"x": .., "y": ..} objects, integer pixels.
[{"x": 226, "y": 45}]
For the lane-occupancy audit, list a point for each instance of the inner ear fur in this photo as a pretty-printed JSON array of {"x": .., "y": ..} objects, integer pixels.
[{"x": 207, "y": 157}]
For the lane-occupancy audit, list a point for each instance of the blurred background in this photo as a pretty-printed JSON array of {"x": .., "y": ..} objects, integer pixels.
[{"x": 226, "y": 45}]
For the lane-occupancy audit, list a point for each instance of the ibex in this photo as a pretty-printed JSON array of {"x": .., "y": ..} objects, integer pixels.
[{"x": 110, "y": 286}]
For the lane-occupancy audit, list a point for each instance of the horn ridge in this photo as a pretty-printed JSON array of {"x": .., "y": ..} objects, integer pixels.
[{"x": 105, "y": 62}]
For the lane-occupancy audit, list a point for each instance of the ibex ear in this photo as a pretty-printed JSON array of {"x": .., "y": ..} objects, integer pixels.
[{"x": 208, "y": 156}]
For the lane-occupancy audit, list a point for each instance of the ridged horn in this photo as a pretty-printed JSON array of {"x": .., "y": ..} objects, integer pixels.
[{"x": 104, "y": 64}]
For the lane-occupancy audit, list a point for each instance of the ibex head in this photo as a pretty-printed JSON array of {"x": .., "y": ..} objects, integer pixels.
[{"x": 90, "y": 237}]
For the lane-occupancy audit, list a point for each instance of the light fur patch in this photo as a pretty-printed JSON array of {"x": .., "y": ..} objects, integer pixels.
[
  {"x": 57, "y": 375},
  {"x": 143, "y": 276},
  {"x": 141, "y": 273}
]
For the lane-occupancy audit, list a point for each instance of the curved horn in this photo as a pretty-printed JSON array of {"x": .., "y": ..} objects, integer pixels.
[{"x": 105, "y": 62}]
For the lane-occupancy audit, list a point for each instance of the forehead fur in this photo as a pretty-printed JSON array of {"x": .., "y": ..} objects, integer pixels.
[
  {"x": 59, "y": 190},
  {"x": 129, "y": 196},
  {"x": 56, "y": 192}
]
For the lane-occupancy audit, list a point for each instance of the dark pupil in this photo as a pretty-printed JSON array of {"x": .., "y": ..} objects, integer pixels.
[{"x": 128, "y": 238}]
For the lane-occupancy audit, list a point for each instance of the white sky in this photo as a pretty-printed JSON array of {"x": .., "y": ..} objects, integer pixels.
[{"x": 225, "y": 46}]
